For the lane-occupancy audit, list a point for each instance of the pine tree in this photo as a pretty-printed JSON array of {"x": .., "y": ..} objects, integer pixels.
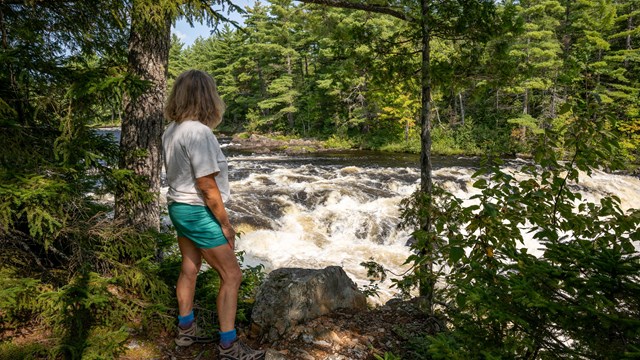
[
  {"x": 624, "y": 62},
  {"x": 538, "y": 53},
  {"x": 272, "y": 32},
  {"x": 177, "y": 60}
]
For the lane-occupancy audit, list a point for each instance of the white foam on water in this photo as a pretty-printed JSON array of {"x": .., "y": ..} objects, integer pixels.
[{"x": 317, "y": 216}]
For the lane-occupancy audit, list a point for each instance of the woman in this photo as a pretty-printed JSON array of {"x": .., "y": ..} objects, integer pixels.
[{"x": 197, "y": 173}]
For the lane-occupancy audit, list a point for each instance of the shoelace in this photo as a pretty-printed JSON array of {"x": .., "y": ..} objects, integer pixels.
[{"x": 248, "y": 353}]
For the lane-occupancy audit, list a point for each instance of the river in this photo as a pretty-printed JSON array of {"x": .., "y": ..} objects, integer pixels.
[{"x": 342, "y": 208}]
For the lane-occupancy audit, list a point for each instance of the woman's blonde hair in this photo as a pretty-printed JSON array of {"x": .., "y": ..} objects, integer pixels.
[{"x": 194, "y": 96}]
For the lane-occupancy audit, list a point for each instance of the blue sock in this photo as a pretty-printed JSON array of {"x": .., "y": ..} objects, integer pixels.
[
  {"x": 185, "y": 322},
  {"x": 227, "y": 338}
]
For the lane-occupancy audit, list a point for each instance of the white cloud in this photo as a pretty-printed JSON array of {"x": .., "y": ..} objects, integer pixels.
[{"x": 180, "y": 34}]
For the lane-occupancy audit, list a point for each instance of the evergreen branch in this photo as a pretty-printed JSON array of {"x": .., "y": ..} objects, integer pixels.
[
  {"x": 57, "y": 252},
  {"x": 28, "y": 250},
  {"x": 359, "y": 6}
]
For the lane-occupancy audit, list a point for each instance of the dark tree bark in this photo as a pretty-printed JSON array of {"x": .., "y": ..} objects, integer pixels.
[
  {"x": 427, "y": 281},
  {"x": 426, "y": 182},
  {"x": 290, "y": 119},
  {"x": 16, "y": 99},
  {"x": 142, "y": 125}
]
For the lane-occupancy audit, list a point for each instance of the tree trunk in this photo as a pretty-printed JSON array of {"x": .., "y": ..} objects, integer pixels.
[
  {"x": 552, "y": 109},
  {"x": 525, "y": 110},
  {"x": 427, "y": 282},
  {"x": 263, "y": 87},
  {"x": 461, "y": 108},
  {"x": 290, "y": 119},
  {"x": 17, "y": 100},
  {"x": 142, "y": 125},
  {"x": 425, "y": 114},
  {"x": 406, "y": 130}
]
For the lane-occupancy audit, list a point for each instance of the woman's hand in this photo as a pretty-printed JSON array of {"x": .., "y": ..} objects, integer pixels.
[{"x": 230, "y": 233}]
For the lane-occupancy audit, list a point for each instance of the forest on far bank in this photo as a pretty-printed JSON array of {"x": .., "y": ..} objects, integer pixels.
[{"x": 353, "y": 77}]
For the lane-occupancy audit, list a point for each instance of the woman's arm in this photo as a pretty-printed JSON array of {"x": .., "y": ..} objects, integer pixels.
[{"x": 212, "y": 198}]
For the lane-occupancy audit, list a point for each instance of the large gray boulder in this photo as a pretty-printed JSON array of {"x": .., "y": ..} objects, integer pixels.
[{"x": 291, "y": 296}]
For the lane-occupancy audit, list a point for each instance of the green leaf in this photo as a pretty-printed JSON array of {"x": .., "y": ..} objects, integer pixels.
[
  {"x": 461, "y": 300},
  {"x": 480, "y": 184},
  {"x": 455, "y": 254}
]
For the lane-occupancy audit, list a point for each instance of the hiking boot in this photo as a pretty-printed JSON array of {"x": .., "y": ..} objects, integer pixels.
[
  {"x": 240, "y": 351},
  {"x": 192, "y": 335}
]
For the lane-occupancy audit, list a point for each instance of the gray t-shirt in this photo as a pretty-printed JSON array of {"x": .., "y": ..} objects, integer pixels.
[{"x": 192, "y": 151}]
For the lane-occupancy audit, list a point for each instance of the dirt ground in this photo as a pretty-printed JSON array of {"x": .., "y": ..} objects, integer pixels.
[{"x": 341, "y": 335}]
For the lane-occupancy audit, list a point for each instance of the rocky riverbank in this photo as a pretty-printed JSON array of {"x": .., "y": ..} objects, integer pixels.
[
  {"x": 260, "y": 144},
  {"x": 341, "y": 335}
]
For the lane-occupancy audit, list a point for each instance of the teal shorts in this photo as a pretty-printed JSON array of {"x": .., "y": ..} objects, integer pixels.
[{"x": 197, "y": 223}]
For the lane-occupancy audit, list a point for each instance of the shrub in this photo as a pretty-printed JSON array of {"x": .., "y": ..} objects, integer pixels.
[{"x": 578, "y": 299}]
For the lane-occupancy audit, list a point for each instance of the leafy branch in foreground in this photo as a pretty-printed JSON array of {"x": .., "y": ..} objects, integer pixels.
[{"x": 574, "y": 297}]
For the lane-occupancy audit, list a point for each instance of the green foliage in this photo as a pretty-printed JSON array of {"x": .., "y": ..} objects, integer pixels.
[
  {"x": 350, "y": 75},
  {"x": 387, "y": 356},
  {"x": 85, "y": 316},
  {"x": 577, "y": 298},
  {"x": 411, "y": 145},
  {"x": 17, "y": 299},
  {"x": 376, "y": 273},
  {"x": 252, "y": 278},
  {"x": 66, "y": 266},
  {"x": 462, "y": 139},
  {"x": 22, "y": 352},
  {"x": 337, "y": 142}
]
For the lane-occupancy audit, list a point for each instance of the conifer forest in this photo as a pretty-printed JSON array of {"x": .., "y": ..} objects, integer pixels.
[{"x": 553, "y": 84}]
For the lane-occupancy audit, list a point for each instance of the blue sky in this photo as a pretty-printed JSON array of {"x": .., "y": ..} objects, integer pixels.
[{"x": 189, "y": 34}]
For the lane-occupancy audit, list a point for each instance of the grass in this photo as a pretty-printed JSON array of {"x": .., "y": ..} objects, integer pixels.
[{"x": 11, "y": 351}]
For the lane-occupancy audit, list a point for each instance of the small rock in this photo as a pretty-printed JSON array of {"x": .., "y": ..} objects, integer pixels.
[
  {"x": 335, "y": 357},
  {"x": 274, "y": 355},
  {"x": 359, "y": 354},
  {"x": 307, "y": 338},
  {"x": 370, "y": 339},
  {"x": 304, "y": 355},
  {"x": 322, "y": 343},
  {"x": 328, "y": 335}
]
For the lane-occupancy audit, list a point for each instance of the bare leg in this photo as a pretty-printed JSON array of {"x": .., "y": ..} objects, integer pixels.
[
  {"x": 186, "y": 286},
  {"x": 223, "y": 260}
]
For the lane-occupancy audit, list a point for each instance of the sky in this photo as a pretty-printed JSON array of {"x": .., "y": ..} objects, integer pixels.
[{"x": 188, "y": 35}]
